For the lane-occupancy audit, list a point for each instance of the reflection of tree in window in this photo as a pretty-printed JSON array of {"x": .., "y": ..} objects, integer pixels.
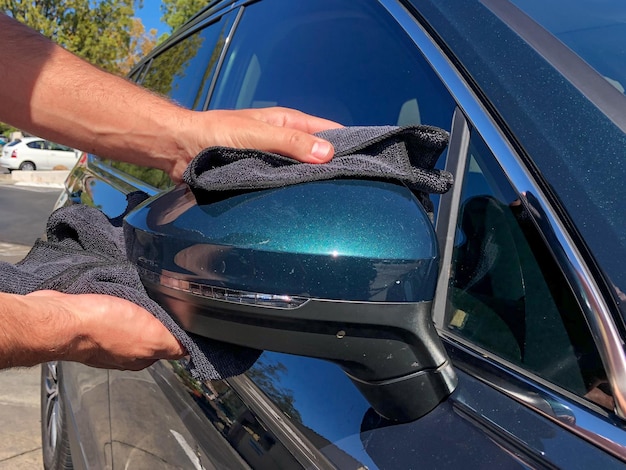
[
  {"x": 266, "y": 377},
  {"x": 86, "y": 196},
  {"x": 152, "y": 176},
  {"x": 181, "y": 73},
  {"x": 169, "y": 68}
]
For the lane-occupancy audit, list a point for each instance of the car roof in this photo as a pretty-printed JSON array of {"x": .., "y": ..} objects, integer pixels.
[
  {"x": 593, "y": 30},
  {"x": 566, "y": 121}
]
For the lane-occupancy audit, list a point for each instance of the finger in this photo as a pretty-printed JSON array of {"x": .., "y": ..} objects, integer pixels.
[
  {"x": 301, "y": 146},
  {"x": 286, "y": 141},
  {"x": 45, "y": 293},
  {"x": 174, "y": 349},
  {"x": 294, "y": 119},
  {"x": 295, "y": 140}
]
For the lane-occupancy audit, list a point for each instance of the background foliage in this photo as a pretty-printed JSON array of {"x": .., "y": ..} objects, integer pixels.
[
  {"x": 104, "y": 32},
  {"x": 176, "y": 12}
]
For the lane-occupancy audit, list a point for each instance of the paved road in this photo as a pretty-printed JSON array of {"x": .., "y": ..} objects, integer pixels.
[
  {"x": 23, "y": 214},
  {"x": 24, "y": 211},
  {"x": 20, "y": 433}
]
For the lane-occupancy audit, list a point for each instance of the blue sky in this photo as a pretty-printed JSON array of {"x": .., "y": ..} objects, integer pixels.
[{"x": 150, "y": 16}]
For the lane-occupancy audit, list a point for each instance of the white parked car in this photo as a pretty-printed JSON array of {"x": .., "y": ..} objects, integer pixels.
[{"x": 34, "y": 153}]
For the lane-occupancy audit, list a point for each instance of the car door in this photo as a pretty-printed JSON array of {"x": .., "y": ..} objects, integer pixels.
[
  {"x": 60, "y": 157},
  {"x": 512, "y": 321},
  {"x": 279, "y": 72},
  {"x": 362, "y": 64},
  {"x": 490, "y": 395}
]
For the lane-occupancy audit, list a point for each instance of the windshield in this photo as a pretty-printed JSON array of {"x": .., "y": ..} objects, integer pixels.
[{"x": 595, "y": 30}]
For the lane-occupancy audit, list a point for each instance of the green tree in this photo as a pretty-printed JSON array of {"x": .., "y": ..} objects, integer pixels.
[
  {"x": 177, "y": 12},
  {"x": 104, "y": 32},
  {"x": 266, "y": 376},
  {"x": 6, "y": 130}
]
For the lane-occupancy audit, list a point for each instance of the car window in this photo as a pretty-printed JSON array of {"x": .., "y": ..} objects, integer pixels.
[
  {"x": 343, "y": 60},
  {"x": 37, "y": 144},
  {"x": 508, "y": 295},
  {"x": 183, "y": 73},
  {"x": 55, "y": 146}
]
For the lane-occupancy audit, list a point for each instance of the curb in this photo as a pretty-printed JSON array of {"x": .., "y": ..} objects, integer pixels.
[{"x": 54, "y": 178}]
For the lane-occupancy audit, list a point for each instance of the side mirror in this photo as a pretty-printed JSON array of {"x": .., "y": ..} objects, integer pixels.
[{"x": 342, "y": 270}]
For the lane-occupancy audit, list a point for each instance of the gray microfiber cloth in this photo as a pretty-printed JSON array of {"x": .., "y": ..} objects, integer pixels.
[
  {"x": 405, "y": 155},
  {"x": 85, "y": 253}
]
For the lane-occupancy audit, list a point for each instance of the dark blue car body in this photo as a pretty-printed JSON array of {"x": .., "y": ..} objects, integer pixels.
[{"x": 532, "y": 240}]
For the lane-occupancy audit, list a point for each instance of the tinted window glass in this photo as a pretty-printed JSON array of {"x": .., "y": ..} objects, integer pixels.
[
  {"x": 508, "y": 295},
  {"x": 343, "y": 60},
  {"x": 339, "y": 59},
  {"x": 182, "y": 72},
  {"x": 55, "y": 146},
  {"x": 37, "y": 144},
  {"x": 595, "y": 31}
]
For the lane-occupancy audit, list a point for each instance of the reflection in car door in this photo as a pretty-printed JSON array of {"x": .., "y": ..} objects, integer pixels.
[{"x": 157, "y": 416}]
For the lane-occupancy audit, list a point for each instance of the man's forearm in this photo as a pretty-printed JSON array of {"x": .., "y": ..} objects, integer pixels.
[
  {"x": 97, "y": 330},
  {"x": 52, "y": 93},
  {"x": 30, "y": 336}
]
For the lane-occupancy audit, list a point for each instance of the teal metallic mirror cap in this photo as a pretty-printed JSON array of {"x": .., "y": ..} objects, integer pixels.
[{"x": 339, "y": 239}]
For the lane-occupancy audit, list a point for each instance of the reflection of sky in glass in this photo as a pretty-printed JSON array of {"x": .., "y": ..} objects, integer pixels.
[
  {"x": 109, "y": 200},
  {"x": 327, "y": 400},
  {"x": 594, "y": 29}
]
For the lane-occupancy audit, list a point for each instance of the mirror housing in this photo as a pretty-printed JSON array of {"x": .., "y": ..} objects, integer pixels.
[{"x": 341, "y": 270}]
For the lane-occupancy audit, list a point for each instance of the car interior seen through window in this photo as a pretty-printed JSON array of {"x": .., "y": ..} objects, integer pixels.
[
  {"x": 507, "y": 293},
  {"x": 37, "y": 144},
  {"x": 55, "y": 146}
]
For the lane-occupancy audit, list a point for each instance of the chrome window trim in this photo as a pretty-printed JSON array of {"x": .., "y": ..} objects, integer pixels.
[
  {"x": 118, "y": 178},
  {"x": 597, "y": 312},
  {"x": 223, "y": 54},
  {"x": 448, "y": 213}
]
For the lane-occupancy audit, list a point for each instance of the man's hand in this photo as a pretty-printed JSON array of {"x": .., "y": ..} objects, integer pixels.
[
  {"x": 97, "y": 330},
  {"x": 280, "y": 130}
]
